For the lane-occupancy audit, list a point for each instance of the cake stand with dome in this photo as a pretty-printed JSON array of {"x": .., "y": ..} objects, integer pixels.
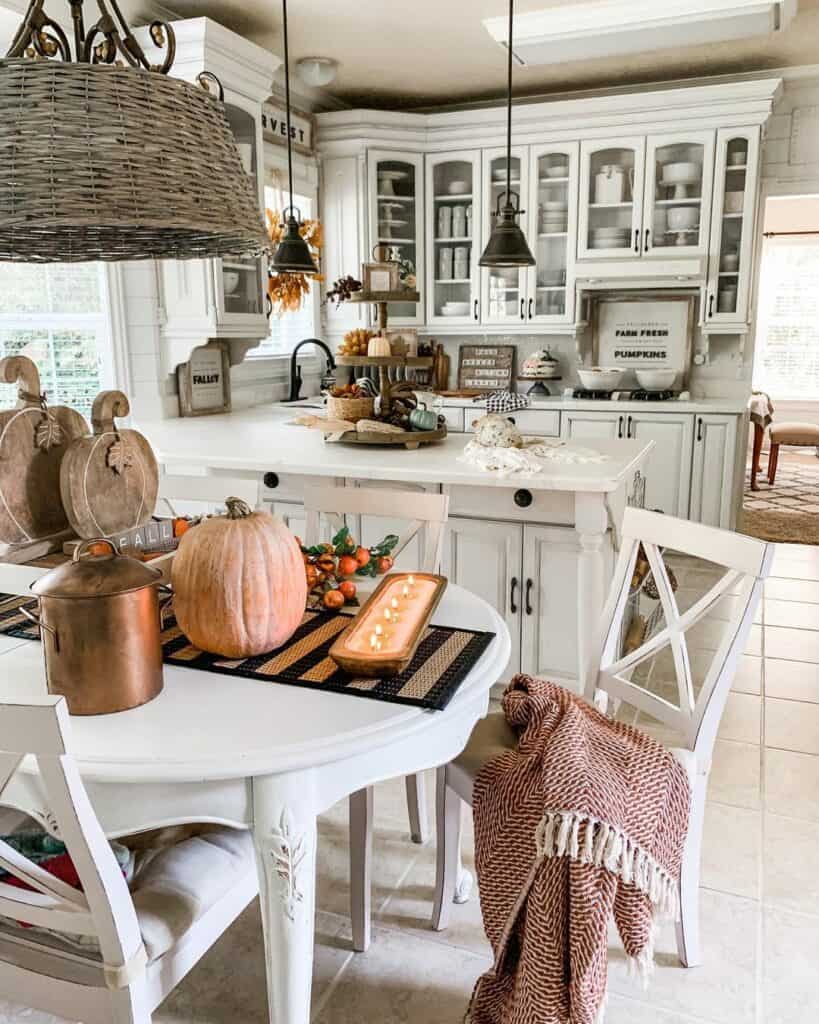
[{"x": 539, "y": 369}]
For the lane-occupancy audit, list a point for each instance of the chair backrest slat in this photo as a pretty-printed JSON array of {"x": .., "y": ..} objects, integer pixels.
[{"x": 746, "y": 563}]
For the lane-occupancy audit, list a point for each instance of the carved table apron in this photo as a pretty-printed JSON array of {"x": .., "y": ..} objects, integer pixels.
[{"x": 261, "y": 756}]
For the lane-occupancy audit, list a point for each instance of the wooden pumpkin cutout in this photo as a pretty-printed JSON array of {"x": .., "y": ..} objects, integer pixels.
[
  {"x": 109, "y": 479},
  {"x": 34, "y": 438}
]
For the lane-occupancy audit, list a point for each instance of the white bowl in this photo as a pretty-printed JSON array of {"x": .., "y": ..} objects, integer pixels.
[
  {"x": 455, "y": 309},
  {"x": 683, "y": 218},
  {"x": 734, "y": 201},
  {"x": 656, "y": 380},
  {"x": 681, "y": 173},
  {"x": 458, "y": 188},
  {"x": 556, "y": 205},
  {"x": 600, "y": 378},
  {"x": 557, "y": 171}
]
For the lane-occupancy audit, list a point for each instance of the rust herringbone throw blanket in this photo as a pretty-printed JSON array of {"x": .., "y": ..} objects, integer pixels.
[{"x": 585, "y": 820}]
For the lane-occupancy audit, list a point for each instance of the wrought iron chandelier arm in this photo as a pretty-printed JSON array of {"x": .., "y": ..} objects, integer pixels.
[{"x": 38, "y": 32}]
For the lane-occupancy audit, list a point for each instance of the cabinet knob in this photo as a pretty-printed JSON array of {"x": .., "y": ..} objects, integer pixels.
[
  {"x": 523, "y": 498},
  {"x": 271, "y": 481}
]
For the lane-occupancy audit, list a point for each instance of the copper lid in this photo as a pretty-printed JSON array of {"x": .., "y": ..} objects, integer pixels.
[{"x": 96, "y": 575}]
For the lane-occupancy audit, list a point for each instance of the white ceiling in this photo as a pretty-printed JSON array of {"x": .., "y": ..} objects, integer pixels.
[{"x": 422, "y": 52}]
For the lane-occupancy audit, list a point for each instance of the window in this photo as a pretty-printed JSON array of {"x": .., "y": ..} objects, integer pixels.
[
  {"x": 288, "y": 330},
  {"x": 56, "y": 314},
  {"x": 786, "y": 364}
]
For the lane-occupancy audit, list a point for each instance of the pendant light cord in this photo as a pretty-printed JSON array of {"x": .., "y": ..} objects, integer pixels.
[
  {"x": 287, "y": 104},
  {"x": 509, "y": 109}
]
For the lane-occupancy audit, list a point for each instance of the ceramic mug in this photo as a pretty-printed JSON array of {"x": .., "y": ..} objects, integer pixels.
[{"x": 423, "y": 419}]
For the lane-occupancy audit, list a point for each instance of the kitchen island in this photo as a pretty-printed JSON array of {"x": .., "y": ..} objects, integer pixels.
[{"x": 538, "y": 548}]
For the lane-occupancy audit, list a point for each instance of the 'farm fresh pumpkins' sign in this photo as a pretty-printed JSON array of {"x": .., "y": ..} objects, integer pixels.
[
  {"x": 643, "y": 334},
  {"x": 274, "y": 126}
]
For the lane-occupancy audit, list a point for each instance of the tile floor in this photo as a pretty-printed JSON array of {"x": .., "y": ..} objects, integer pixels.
[{"x": 759, "y": 897}]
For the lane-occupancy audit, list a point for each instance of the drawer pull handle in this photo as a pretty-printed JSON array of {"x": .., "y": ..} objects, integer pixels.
[
  {"x": 523, "y": 309},
  {"x": 523, "y": 498},
  {"x": 529, "y": 586},
  {"x": 620, "y": 429},
  {"x": 628, "y": 427},
  {"x": 271, "y": 481},
  {"x": 513, "y": 593},
  {"x": 699, "y": 429},
  {"x": 477, "y": 317}
]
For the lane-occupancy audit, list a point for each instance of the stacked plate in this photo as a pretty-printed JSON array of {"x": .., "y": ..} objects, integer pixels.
[
  {"x": 610, "y": 238},
  {"x": 455, "y": 309},
  {"x": 554, "y": 216}
]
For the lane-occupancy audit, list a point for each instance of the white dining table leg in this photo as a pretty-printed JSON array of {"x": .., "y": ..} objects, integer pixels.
[
  {"x": 591, "y": 521},
  {"x": 284, "y": 830}
]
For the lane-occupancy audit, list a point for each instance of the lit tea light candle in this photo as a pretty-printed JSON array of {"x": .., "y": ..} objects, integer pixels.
[
  {"x": 373, "y": 641},
  {"x": 379, "y": 629},
  {"x": 387, "y": 614}
]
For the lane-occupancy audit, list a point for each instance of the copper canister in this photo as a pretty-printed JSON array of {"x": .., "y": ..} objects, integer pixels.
[{"x": 100, "y": 626}]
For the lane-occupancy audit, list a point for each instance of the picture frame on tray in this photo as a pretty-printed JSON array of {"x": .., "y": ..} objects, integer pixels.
[{"x": 381, "y": 277}]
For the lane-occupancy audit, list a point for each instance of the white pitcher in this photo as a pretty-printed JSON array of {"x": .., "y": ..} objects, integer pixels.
[{"x": 610, "y": 183}]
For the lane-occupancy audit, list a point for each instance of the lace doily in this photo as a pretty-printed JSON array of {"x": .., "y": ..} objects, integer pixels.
[{"x": 533, "y": 458}]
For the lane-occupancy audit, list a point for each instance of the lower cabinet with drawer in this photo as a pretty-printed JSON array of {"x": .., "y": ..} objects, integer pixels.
[{"x": 529, "y": 574}]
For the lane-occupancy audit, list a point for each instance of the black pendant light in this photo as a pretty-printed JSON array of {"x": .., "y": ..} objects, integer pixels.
[
  {"x": 507, "y": 245},
  {"x": 292, "y": 255}
]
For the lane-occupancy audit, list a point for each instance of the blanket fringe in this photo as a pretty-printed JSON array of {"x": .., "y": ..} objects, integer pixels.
[{"x": 589, "y": 841}]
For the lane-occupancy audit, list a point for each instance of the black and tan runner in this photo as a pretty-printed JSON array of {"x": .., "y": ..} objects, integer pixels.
[{"x": 441, "y": 663}]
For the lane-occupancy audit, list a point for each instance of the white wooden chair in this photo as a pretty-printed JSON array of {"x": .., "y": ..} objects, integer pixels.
[
  {"x": 138, "y": 943},
  {"x": 426, "y": 515},
  {"x": 691, "y": 717}
]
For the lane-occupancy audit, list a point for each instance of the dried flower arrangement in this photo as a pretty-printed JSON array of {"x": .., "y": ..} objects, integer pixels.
[{"x": 288, "y": 291}]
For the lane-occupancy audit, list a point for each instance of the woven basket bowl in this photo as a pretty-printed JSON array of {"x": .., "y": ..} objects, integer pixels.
[
  {"x": 101, "y": 162},
  {"x": 351, "y": 409}
]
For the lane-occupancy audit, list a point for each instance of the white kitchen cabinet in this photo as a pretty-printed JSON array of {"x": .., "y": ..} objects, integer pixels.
[
  {"x": 504, "y": 290},
  {"x": 611, "y": 197},
  {"x": 549, "y": 642},
  {"x": 730, "y": 259},
  {"x": 552, "y": 232},
  {"x": 578, "y": 426},
  {"x": 395, "y": 186},
  {"x": 668, "y": 470},
  {"x": 678, "y": 194},
  {"x": 486, "y": 558},
  {"x": 454, "y": 238},
  {"x": 712, "y": 471}
]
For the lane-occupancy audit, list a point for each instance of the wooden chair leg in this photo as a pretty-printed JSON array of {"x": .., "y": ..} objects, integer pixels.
[
  {"x": 688, "y": 927},
  {"x": 759, "y": 434},
  {"x": 417, "y": 807},
  {"x": 447, "y": 856},
  {"x": 773, "y": 462},
  {"x": 361, "y": 855}
]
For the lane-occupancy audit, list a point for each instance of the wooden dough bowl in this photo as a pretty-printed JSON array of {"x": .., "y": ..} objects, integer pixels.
[
  {"x": 109, "y": 479},
  {"x": 34, "y": 439}
]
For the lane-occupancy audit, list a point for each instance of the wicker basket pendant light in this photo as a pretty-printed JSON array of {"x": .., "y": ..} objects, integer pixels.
[
  {"x": 292, "y": 255},
  {"x": 507, "y": 246},
  {"x": 105, "y": 157}
]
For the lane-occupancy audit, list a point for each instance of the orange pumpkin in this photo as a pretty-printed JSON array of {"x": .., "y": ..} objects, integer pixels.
[{"x": 239, "y": 583}]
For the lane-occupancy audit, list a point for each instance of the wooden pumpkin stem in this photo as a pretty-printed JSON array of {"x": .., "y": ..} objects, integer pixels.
[
  {"x": 20, "y": 370},
  {"x": 107, "y": 405},
  {"x": 237, "y": 509}
]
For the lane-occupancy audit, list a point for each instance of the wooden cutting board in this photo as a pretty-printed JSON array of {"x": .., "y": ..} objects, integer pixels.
[
  {"x": 34, "y": 438},
  {"x": 109, "y": 480}
]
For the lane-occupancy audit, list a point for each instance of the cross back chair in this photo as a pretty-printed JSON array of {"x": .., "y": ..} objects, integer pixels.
[
  {"x": 427, "y": 516},
  {"x": 693, "y": 717},
  {"x": 136, "y": 946}
]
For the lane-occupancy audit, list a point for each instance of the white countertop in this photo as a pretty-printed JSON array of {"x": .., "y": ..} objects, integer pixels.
[
  {"x": 727, "y": 406},
  {"x": 260, "y": 440}
]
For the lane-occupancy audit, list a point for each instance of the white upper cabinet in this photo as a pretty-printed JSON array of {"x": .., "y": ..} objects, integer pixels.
[
  {"x": 732, "y": 238},
  {"x": 396, "y": 192},
  {"x": 453, "y": 232},
  {"x": 504, "y": 291},
  {"x": 679, "y": 183},
  {"x": 611, "y": 198},
  {"x": 552, "y": 232}
]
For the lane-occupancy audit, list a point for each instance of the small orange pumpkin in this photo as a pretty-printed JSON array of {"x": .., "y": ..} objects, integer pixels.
[{"x": 239, "y": 583}]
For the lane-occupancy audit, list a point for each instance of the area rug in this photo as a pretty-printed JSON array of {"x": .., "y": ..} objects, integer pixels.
[{"x": 788, "y": 512}]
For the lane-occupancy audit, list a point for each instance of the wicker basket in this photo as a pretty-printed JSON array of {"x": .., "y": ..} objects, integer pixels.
[
  {"x": 113, "y": 163},
  {"x": 350, "y": 409}
]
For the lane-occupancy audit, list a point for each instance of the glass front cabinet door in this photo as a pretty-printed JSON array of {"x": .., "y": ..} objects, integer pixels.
[
  {"x": 552, "y": 232},
  {"x": 611, "y": 198},
  {"x": 679, "y": 184},
  {"x": 732, "y": 235},
  {"x": 453, "y": 232},
  {"x": 396, "y": 190},
  {"x": 503, "y": 290}
]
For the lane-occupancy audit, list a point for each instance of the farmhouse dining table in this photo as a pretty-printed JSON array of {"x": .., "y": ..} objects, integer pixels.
[{"x": 262, "y": 756}]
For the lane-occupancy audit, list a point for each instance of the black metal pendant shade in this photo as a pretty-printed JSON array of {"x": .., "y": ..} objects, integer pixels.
[
  {"x": 507, "y": 246},
  {"x": 292, "y": 256}
]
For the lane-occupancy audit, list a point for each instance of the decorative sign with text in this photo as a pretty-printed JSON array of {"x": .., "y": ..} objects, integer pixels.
[
  {"x": 204, "y": 381},
  {"x": 644, "y": 333},
  {"x": 274, "y": 127},
  {"x": 486, "y": 367}
]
